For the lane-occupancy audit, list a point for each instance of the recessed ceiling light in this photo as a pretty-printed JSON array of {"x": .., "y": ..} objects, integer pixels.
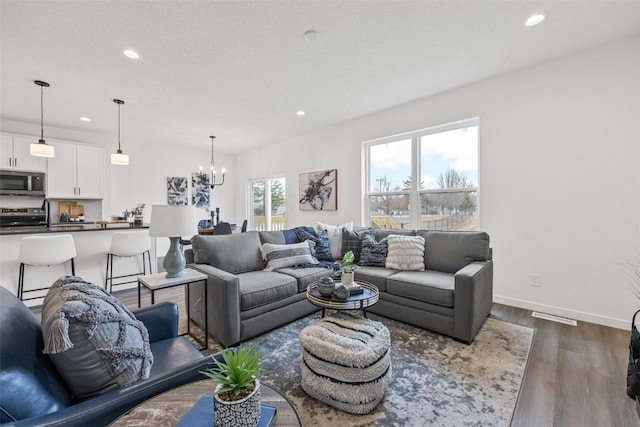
[
  {"x": 311, "y": 35},
  {"x": 129, "y": 53},
  {"x": 535, "y": 19},
  {"x": 85, "y": 119},
  {"x": 300, "y": 113}
]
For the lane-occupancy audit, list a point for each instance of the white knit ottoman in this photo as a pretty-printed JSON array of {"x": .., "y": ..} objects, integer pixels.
[{"x": 345, "y": 362}]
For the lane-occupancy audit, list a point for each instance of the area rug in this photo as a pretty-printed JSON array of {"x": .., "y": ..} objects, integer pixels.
[{"x": 435, "y": 380}]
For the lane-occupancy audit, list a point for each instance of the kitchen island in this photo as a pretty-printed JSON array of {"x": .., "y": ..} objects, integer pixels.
[{"x": 92, "y": 244}]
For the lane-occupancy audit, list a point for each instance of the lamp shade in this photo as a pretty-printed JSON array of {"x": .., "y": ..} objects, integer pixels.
[
  {"x": 119, "y": 159},
  {"x": 173, "y": 221},
  {"x": 42, "y": 149}
]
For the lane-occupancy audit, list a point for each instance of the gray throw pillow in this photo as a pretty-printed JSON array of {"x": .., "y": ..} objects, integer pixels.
[
  {"x": 233, "y": 253},
  {"x": 282, "y": 256},
  {"x": 96, "y": 344}
]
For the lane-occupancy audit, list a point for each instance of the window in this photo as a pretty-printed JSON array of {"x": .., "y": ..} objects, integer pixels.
[
  {"x": 426, "y": 179},
  {"x": 267, "y": 213}
]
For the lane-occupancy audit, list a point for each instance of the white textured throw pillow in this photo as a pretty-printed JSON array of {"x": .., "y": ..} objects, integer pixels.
[
  {"x": 335, "y": 236},
  {"x": 405, "y": 253},
  {"x": 281, "y": 256}
]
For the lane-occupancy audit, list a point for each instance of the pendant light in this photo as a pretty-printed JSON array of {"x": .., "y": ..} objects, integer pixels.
[
  {"x": 213, "y": 184},
  {"x": 119, "y": 158},
  {"x": 42, "y": 149}
]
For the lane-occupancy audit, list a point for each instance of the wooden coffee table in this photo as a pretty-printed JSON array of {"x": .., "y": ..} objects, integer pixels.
[
  {"x": 168, "y": 408},
  {"x": 367, "y": 298}
]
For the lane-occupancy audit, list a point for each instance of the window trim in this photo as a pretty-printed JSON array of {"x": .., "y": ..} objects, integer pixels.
[{"x": 414, "y": 194}]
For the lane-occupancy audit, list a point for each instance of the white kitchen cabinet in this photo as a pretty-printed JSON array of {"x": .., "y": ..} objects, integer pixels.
[
  {"x": 14, "y": 154},
  {"x": 76, "y": 172}
]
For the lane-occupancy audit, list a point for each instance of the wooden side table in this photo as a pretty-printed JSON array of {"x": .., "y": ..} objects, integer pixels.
[
  {"x": 155, "y": 282},
  {"x": 167, "y": 408}
]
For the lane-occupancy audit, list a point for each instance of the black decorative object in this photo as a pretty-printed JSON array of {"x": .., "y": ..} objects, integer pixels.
[
  {"x": 341, "y": 293},
  {"x": 326, "y": 286}
]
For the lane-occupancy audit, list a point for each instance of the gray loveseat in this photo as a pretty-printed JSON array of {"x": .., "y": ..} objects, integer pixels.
[{"x": 452, "y": 296}]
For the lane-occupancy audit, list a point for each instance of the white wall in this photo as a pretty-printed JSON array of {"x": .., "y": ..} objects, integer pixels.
[{"x": 559, "y": 176}]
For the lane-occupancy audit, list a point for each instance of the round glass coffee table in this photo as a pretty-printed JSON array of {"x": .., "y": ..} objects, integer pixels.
[
  {"x": 167, "y": 408},
  {"x": 361, "y": 301}
]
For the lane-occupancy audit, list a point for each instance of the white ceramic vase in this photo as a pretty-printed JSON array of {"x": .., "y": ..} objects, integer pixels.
[{"x": 347, "y": 278}]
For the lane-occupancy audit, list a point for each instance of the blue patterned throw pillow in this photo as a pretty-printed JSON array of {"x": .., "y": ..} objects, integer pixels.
[
  {"x": 322, "y": 249},
  {"x": 373, "y": 253}
]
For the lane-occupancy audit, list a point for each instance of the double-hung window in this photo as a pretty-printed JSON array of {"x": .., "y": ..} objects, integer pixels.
[{"x": 426, "y": 179}]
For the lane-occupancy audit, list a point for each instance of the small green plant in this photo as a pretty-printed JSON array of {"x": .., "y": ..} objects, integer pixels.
[
  {"x": 139, "y": 209},
  {"x": 236, "y": 375},
  {"x": 347, "y": 264}
]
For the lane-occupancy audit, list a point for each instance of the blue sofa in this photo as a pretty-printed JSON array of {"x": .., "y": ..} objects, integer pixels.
[{"x": 32, "y": 393}]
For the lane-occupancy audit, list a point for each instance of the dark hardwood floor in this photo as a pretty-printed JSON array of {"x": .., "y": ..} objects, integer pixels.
[{"x": 575, "y": 376}]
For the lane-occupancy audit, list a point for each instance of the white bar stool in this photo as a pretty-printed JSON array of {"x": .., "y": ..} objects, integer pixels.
[
  {"x": 127, "y": 244},
  {"x": 44, "y": 251}
]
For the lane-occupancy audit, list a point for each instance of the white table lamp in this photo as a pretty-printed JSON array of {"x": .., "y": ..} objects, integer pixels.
[{"x": 173, "y": 222}]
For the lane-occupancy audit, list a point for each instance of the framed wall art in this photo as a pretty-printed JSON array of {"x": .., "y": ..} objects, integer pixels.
[
  {"x": 319, "y": 190},
  {"x": 200, "y": 189},
  {"x": 177, "y": 187}
]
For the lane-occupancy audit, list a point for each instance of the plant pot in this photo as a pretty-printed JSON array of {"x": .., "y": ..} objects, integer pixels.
[
  {"x": 242, "y": 413},
  {"x": 347, "y": 278},
  {"x": 137, "y": 220}
]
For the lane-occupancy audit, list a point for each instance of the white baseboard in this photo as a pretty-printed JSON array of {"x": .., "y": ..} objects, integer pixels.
[{"x": 571, "y": 314}]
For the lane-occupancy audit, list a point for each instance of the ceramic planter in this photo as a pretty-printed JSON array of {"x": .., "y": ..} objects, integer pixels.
[
  {"x": 347, "y": 278},
  {"x": 242, "y": 413}
]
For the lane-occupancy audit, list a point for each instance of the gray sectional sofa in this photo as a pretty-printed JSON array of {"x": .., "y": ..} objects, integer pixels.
[{"x": 453, "y": 296}]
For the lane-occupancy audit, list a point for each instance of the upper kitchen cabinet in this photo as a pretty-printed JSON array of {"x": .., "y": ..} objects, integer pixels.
[
  {"x": 76, "y": 172},
  {"x": 14, "y": 154}
]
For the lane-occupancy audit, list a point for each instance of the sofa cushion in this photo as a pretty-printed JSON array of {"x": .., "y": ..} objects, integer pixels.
[
  {"x": 258, "y": 288},
  {"x": 375, "y": 275},
  {"x": 96, "y": 344},
  {"x": 352, "y": 241},
  {"x": 405, "y": 253},
  {"x": 275, "y": 237},
  {"x": 281, "y": 256},
  {"x": 335, "y": 236},
  {"x": 374, "y": 252},
  {"x": 306, "y": 276},
  {"x": 449, "y": 251},
  {"x": 233, "y": 253},
  {"x": 429, "y": 286}
]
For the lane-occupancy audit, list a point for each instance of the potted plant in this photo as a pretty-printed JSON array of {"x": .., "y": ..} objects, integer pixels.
[
  {"x": 347, "y": 266},
  {"x": 236, "y": 398},
  {"x": 137, "y": 213}
]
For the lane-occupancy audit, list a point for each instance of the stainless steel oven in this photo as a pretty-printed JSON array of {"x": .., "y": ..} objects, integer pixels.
[
  {"x": 21, "y": 183},
  {"x": 20, "y": 218}
]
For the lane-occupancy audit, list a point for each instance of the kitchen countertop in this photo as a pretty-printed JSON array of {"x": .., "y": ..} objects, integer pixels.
[{"x": 69, "y": 227}]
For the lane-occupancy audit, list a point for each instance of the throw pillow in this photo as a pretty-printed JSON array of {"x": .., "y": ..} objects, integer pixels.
[
  {"x": 374, "y": 253},
  {"x": 405, "y": 253},
  {"x": 96, "y": 344},
  {"x": 322, "y": 246},
  {"x": 352, "y": 241},
  {"x": 281, "y": 256},
  {"x": 335, "y": 236}
]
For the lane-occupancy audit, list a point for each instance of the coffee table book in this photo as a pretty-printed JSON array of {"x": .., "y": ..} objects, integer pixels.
[{"x": 201, "y": 414}]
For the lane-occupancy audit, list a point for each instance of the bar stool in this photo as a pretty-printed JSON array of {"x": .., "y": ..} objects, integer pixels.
[
  {"x": 127, "y": 244},
  {"x": 44, "y": 251}
]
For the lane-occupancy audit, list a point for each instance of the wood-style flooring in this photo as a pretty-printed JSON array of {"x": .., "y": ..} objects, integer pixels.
[{"x": 575, "y": 376}]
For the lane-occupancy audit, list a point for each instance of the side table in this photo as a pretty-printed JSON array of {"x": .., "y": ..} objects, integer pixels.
[{"x": 155, "y": 282}]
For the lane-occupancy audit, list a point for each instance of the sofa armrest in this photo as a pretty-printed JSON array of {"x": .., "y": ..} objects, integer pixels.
[
  {"x": 224, "y": 303},
  {"x": 104, "y": 409},
  {"x": 473, "y": 296},
  {"x": 161, "y": 320}
]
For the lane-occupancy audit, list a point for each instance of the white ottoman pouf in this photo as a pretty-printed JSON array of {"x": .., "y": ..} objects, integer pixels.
[{"x": 345, "y": 362}]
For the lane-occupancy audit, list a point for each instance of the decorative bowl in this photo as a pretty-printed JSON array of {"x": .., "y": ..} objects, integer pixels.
[{"x": 326, "y": 286}]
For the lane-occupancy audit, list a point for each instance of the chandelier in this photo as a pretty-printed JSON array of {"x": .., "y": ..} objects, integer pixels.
[{"x": 213, "y": 184}]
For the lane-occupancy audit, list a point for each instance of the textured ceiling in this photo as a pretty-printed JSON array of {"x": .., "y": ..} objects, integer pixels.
[{"x": 241, "y": 69}]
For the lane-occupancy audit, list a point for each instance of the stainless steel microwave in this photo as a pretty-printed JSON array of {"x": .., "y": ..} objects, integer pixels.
[{"x": 21, "y": 183}]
